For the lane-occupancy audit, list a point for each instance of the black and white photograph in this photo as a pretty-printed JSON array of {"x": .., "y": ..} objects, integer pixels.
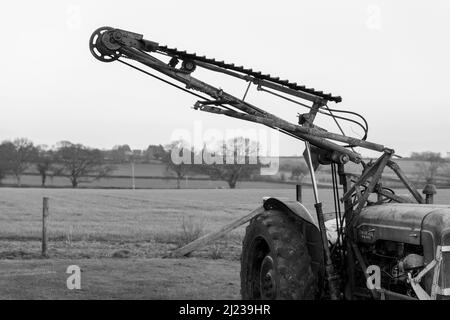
[{"x": 234, "y": 151}]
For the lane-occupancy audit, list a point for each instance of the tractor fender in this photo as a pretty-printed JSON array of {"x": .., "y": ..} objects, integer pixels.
[
  {"x": 309, "y": 227},
  {"x": 293, "y": 207}
]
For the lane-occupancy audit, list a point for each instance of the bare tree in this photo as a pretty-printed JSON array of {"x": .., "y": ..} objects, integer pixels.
[
  {"x": 6, "y": 159},
  {"x": 81, "y": 164},
  {"x": 178, "y": 159},
  {"x": 429, "y": 164},
  {"x": 237, "y": 160},
  {"x": 45, "y": 163},
  {"x": 22, "y": 154}
]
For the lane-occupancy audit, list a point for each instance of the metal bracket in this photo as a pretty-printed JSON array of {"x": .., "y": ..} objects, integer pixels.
[{"x": 435, "y": 289}]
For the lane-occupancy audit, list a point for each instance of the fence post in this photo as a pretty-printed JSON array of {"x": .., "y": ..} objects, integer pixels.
[
  {"x": 298, "y": 188},
  {"x": 44, "y": 226}
]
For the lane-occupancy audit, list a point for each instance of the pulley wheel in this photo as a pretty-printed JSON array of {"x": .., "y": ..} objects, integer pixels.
[{"x": 98, "y": 48}]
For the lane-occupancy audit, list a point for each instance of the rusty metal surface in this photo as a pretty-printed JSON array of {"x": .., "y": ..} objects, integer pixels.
[{"x": 402, "y": 222}]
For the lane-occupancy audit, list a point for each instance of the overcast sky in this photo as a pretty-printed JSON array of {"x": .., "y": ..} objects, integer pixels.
[{"x": 389, "y": 60}]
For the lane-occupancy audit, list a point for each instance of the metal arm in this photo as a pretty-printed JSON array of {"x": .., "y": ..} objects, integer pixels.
[{"x": 108, "y": 44}]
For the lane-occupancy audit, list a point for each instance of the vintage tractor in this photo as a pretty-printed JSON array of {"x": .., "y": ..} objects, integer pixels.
[{"x": 378, "y": 245}]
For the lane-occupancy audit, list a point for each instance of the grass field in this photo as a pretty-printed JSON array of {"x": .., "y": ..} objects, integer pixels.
[
  {"x": 119, "y": 236},
  {"x": 99, "y": 214},
  {"x": 123, "y": 214},
  {"x": 147, "y": 223},
  {"x": 89, "y": 228},
  {"x": 121, "y": 279}
]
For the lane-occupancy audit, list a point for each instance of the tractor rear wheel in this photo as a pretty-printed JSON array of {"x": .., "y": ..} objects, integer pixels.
[{"x": 275, "y": 262}]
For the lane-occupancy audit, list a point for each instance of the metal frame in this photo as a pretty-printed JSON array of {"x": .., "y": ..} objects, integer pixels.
[{"x": 434, "y": 265}]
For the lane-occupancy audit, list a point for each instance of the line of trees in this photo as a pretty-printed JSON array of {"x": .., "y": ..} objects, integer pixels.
[
  {"x": 80, "y": 164},
  {"x": 76, "y": 162}
]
